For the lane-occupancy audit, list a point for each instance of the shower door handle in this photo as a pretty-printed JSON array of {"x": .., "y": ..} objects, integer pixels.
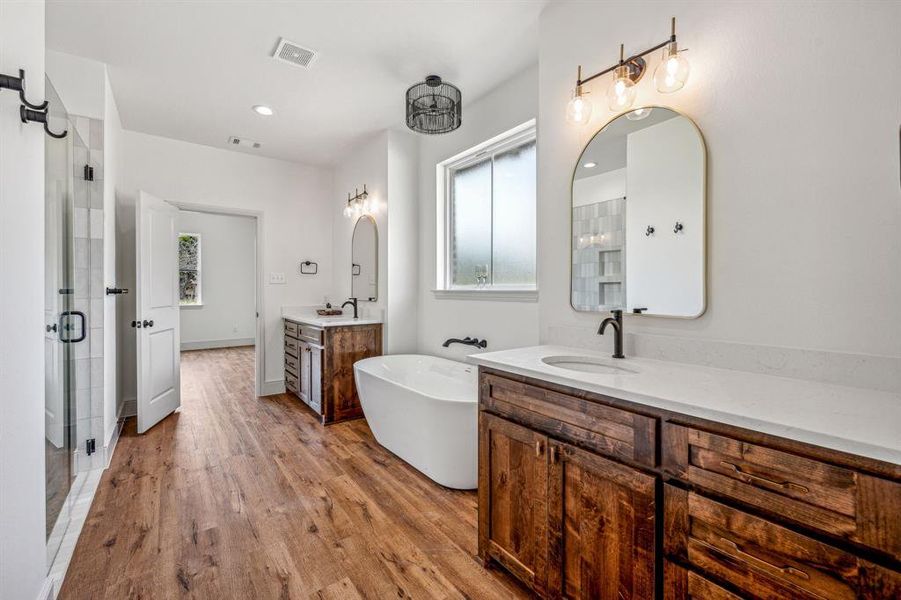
[{"x": 66, "y": 327}]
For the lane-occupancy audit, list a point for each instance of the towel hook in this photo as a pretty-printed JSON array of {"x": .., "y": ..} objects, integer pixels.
[
  {"x": 649, "y": 231},
  {"x": 40, "y": 117},
  {"x": 17, "y": 84}
]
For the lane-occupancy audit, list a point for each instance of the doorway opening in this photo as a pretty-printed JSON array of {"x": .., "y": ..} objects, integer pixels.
[{"x": 219, "y": 292}]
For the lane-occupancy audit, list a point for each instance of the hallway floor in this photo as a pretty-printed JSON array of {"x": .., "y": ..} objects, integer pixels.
[{"x": 241, "y": 497}]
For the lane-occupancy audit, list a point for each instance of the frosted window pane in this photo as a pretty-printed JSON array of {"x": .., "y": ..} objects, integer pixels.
[
  {"x": 471, "y": 213},
  {"x": 514, "y": 216}
]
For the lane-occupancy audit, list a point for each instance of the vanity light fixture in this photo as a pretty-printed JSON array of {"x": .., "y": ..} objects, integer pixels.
[
  {"x": 359, "y": 204},
  {"x": 669, "y": 76},
  {"x": 590, "y": 165},
  {"x": 262, "y": 109}
]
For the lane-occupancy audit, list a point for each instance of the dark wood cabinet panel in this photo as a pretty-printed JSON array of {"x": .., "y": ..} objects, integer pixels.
[
  {"x": 604, "y": 429},
  {"x": 601, "y": 524},
  {"x": 319, "y": 366},
  {"x": 513, "y": 499},
  {"x": 680, "y": 583},
  {"x": 761, "y": 557},
  {"x": 835, "y": 500}
]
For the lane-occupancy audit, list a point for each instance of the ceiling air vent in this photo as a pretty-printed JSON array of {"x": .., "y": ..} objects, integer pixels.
[
  {"x": 293, "y": 54},
  {"x": 243, "y": 142}
]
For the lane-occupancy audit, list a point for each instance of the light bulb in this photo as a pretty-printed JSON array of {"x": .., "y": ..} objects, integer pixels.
[
  {"x": 347, "y": 211},
  {"x": 672, "y": 72},
  {"x": 621, "y": 93},
  {"x": 578, "y": 110},
  {"x": 639, "y": 113}
]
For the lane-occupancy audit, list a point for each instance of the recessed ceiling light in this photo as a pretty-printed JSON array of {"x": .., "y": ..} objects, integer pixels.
[
  {"x": 262, "y": 109},
  {"x": 590, "y": 165}
]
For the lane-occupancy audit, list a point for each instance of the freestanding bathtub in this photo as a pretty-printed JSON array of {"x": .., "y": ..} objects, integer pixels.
[{"x": 424, "y": 409}]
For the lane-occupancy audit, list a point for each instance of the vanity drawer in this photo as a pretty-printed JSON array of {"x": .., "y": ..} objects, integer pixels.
[
  {"x": 311, "y": 334},
  {"x": 292, "y": 365},
  {"x": 604, "y": 429},
  {"x": 680, "y": 583},
  {"x": 291, "y": 382},
  {"x": 762, "y": 558},
  {"x": 291, "y": 328},
  {"x": 292, "y": 346},
  {"x": 815, "y": 494}
]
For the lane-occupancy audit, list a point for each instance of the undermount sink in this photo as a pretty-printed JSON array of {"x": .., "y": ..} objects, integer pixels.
[{"x": 587, "y": 364}]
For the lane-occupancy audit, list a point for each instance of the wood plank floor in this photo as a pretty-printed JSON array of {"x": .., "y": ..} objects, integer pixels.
[{"x": 242, "y": 497}]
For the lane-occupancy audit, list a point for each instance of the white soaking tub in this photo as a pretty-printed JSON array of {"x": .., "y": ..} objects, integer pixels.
[{"x": 424, "y": 409}]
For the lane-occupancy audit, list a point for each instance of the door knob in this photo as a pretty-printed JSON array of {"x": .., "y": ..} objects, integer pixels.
[{"x": 147, "y": 323}]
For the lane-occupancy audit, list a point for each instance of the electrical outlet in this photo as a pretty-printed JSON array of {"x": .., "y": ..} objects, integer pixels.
[{"x": 277, "y": 278}]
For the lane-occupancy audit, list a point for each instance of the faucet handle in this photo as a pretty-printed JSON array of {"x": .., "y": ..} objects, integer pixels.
[{"x": 617, "y": 312}]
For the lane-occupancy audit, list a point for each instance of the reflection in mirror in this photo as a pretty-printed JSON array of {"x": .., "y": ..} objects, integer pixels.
[
  {"x": 638, "y": 217},
  {"x": 364, "y": 271}
]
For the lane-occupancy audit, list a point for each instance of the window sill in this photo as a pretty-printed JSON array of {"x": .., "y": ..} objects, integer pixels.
[
  {"x": 197, "y": 305},
  {"x": 494, "y": 295}
]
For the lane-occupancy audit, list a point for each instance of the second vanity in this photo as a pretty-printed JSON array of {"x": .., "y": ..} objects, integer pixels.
[
  {"x": 603, "y": 478},
  {"x": 319, "y": 357}
]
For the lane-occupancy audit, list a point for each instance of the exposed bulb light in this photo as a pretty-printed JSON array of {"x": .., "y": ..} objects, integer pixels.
[
  {"x": 578, "y": 109},
  {"x": 639, "y": 113},
  {"x": 590, "y": 165},
  {"x": 672, "y": 72},
  {"x": 621, "y": 93},
  {"x": 262, "y": 109},
  {"x": 359, "y": 204}
]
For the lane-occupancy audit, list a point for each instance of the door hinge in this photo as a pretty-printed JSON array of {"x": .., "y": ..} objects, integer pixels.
[
  {"x": 88, "y": 173},
  {"x": 90, "y": 446}
]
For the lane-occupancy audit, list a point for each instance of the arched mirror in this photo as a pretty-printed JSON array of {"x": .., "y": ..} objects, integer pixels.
[
  {"x": 364, "y": 271},
  {"x": 638, "y": 238}
]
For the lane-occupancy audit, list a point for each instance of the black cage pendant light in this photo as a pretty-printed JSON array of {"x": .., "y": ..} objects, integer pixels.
[{"x": 434, "y": 106}]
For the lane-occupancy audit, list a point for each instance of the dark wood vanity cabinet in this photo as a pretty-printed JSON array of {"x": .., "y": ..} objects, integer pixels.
[
  {"x": 587, "y": 496},
  {"x": 319, "y": 366}
]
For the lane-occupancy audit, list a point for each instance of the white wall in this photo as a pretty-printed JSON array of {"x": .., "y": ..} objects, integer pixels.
[
  {"x": 401, "y": 316},
  {"x": 665, "y": 181},
  {"x": 23, "y": 565},
  {"x": 296, "y": 216},
  {"x": 226, "y": 316},
  {"x": 368, "y": 163},
  {"x": 81, "y": 83},
  {"x": 804, "y": 200},
  {"x": 503, "y": 324}
]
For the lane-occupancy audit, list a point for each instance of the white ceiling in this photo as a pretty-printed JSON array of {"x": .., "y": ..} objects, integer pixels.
[{"x": 193, "y": 70}]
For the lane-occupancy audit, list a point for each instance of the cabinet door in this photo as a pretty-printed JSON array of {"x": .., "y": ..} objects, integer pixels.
[
  {"x": 513, "y": 499},
  {"x": 600, "y": 527},
  {"x": 315, "y": 354},
  {"x": 304, "y": 374}
]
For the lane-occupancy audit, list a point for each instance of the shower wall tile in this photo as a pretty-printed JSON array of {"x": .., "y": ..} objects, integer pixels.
[
  {"x": 95, "y": 338},
  {"x": 81, "y": 223},
  {"x": 95, "y": 194},
  {"x": 97, "y": 225}
]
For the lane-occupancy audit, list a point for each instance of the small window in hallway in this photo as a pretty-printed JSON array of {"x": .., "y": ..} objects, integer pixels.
[
  {"x": 189, "y": 281},
  {"x": 489, "y": 211}
]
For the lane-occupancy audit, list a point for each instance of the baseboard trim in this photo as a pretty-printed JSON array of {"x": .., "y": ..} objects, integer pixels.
[
  {"x": 110, "y": 447},
  {"x": 129, "y": 408},
  {"x": 273, "y": 387},
  {"x": 209, "y": 344}
]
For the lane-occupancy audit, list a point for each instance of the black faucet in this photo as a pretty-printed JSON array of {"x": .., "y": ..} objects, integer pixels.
[
  {"x": 353, "y": 302},
  {"x": 467, "y": 341},
  {"x": 616, "y": 321}
]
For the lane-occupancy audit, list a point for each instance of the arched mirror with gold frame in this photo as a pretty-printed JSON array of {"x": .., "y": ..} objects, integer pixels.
[
  {"x": 364, "y": 269},
  {"x": 638, "y": 217}
]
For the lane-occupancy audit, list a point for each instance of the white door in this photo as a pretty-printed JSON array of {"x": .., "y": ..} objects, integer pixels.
[{"x": 156, "y": 320}]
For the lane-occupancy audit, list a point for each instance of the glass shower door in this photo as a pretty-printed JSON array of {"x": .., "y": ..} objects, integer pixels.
[{"x": 61, "y": 327}]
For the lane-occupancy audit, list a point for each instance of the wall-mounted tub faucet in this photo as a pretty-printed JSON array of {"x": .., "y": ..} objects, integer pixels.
[{"x": 467, "y": 341}]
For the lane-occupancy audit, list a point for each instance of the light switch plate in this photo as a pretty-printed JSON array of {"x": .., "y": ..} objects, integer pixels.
[{"x": 277, "y": 278}]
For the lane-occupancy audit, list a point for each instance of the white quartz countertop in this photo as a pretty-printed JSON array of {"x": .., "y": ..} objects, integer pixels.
[
  {"x": 854, "y": 420},
  {"x": 311, "y": 318}
]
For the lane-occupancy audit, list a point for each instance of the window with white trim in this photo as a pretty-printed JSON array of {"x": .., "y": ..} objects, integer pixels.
[
  {"x": 487, "y": 211},
  {"x": 189, "y": 281}
]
